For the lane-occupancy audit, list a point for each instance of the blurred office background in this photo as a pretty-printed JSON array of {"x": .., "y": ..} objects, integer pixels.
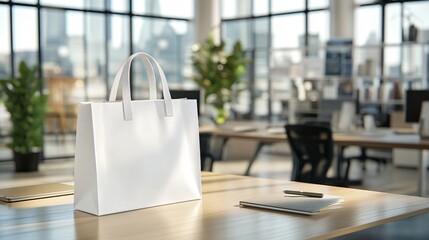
[{"x": 79, "y": 46}]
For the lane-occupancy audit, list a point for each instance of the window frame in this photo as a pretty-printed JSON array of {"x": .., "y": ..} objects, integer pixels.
[{"x": 251, "y": 74}]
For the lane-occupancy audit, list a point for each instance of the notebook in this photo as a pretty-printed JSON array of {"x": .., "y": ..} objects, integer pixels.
[
  {"x": 294, "y": 204},
  {"x": 276, "y": 130},
  {"x": 17, "y": 194}
]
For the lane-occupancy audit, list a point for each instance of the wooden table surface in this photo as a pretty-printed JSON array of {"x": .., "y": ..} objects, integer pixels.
[
  {"x": 388, "y": 139},
  {"x": 216, "y": 216}
]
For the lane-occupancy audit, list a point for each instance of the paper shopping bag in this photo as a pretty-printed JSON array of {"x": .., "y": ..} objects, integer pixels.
[{"x": 136, "y": 154}]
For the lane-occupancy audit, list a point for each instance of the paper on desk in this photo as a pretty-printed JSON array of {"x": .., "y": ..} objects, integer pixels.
[
  {"x": 240, "y": 128},
  {"x": 276, "y": 130}
]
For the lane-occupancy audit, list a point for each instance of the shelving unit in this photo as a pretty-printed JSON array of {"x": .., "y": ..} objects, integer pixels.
[{"x": 381, "y": 73}]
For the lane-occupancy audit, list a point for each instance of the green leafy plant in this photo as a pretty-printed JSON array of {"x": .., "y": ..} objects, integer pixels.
[
  {"x": 217, "y": 73},
  {"x": 27, "y": 108}
]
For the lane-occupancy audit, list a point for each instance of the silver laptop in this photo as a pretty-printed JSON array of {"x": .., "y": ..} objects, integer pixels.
[
  {"x": 293, "y": 204},
  {"x": 17, "y": 194}
]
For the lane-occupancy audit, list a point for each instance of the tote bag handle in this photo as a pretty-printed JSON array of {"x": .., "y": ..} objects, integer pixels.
[{"x": 126, "y": 89}]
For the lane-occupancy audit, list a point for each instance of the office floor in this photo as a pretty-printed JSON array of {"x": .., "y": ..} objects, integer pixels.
[{"x": 274, "y": 162}]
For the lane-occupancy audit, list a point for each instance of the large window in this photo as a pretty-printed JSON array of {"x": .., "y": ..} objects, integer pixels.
[
  {"x": 24, "y": 31},
  {"x": 368, "y": 25},
  {"x": 391, "y": 55},
  {"x": 166, "y": 8},
  {"x": 276, "y": 35},
  {"x": 5, "y": 49},
  {"x": 167, "y": 40},
  {"x": 287, "y": 41},
  {"x": 79, "y": 46},
  {"x": 281, "y": 6}
]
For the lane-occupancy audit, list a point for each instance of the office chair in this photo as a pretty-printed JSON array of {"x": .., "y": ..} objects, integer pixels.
[
  {"x": 210, "y": 151},
  {"x": 312, "y": 148},
  {"x": 205, "y": 150}
]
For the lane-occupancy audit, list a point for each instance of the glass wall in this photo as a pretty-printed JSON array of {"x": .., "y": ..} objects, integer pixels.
[
  {"x": 392, "y": 39},
  {"x": 167, "y": 40},
  {"x": 415, "y": 31},
  {"x": 276, "y": 35},
  {"x": 24, "y": 31},
  {"x": 391, "y": 52},
  {"x": 5, "y": 48},
  {"x": 165, "y": 8},
  {"x": 287, "y": 40},
  {"x": 368, "y": 25},
  {"x": 79, "y": 46},
  {"x": 118, "y": 42},
  {"x": 281, "y": 6}
]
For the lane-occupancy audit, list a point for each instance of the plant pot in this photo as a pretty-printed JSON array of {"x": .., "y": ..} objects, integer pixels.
[{"x": 28, "y": 162}]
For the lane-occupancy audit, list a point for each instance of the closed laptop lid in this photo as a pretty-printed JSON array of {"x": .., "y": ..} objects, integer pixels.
[{"x": 295, "y": 204}]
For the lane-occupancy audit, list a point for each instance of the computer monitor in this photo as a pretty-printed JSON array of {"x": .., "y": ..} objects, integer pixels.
[
  {"x": 326, "y": 107},
  {"x": 413, "y": 104},
  {"x": 189, "y": 94}
]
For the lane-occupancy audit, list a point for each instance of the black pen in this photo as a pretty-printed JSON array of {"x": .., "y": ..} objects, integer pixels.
[{"x": 301, "y": 193}]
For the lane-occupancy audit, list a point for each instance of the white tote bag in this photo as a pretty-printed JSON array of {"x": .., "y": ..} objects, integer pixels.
[{"x": 136, "y": 154}]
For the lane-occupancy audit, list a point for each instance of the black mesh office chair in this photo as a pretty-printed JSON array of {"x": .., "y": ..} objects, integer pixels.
[
  {"x": 210, "y": 151},
  {"x": 205, "y": 151},
  {"x": 312, "y": 148}
]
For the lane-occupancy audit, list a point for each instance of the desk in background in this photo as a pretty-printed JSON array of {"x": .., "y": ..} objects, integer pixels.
[
  {"x": 216, "y": 216},
  {"x": 388, "y": 140},
  {"x": 384, "y": 139}
]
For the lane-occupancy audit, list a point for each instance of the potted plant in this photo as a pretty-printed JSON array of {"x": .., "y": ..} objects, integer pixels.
[
  {"x": 217, "y": 73},
  {"x": 27, "y": 107}
]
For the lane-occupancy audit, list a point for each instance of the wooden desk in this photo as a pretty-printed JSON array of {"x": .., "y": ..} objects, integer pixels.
[
  {"x": 217, "y": 216},
  {"x": 388, "y": 139}
]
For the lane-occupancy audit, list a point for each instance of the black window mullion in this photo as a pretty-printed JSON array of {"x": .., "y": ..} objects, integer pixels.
[
  {"x": 107, "y": 35},
  {"x": 39, "y": 65},
  {"x": 39, "y": 40},
  {"x": 85, "y": 55},
  {"x": 269, "y": 61},
  {"x": 12, "y": 52},
  {"x": 306, "y": 34},
  {"x": 383, "y": 21},
  {"x": 131, "y": 47},
  {"x": 252, "y": 72},
  {"x": 401, "y": 54},
  {"x": 270, "y": 97}
]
